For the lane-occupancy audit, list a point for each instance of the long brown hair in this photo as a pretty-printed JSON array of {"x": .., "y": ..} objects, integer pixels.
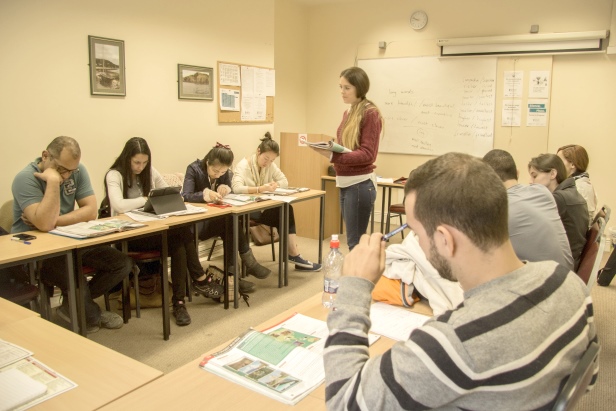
[{"x": 351, "y": 129}]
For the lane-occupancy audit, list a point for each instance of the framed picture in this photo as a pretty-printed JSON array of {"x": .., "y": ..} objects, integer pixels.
[
  {"x": 107, "y": 75},
  {"x": 195, "y": 83}
]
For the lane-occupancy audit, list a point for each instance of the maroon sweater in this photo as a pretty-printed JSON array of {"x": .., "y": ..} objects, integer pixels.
[{"x": 361, "y": 160}]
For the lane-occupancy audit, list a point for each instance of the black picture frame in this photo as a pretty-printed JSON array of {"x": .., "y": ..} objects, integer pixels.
[
  {"x": 195, "y": 82},
  {"x": 107, "y": 67}
]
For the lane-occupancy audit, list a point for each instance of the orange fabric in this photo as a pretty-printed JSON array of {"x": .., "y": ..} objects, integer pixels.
[{"x": 393, "y": 292}]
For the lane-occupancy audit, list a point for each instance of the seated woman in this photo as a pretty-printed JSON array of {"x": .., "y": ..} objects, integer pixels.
[
  {"x": 576, "y": 162},
  {"x": 549, "y": 170},
  {"x": 259, "y": 173},
  {"x": 127, "y": 183},
  {"x": 207, "y": 181}
]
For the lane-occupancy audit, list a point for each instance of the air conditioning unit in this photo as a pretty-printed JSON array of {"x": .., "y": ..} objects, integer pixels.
[{"x": 546, "y": 43}]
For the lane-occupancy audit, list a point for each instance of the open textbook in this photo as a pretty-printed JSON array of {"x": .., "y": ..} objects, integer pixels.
[
  {"x": 284, "y": 362},
  {"x": 330, "y": 146},
  {"x": 95, "y": 228}
]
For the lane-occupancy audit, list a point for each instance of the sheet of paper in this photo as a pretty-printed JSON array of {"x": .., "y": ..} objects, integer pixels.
[
  {"x": 512, "y": 113},
  {"x": 229, "y": 99},
  {"x": 394, "y": 322},
  {"x": 229, "y": 74},
  {"x": 9, "y": 353},
  {"x": 539, "y": 84},
  {"x": 16, "y": 389},
  {"x": 537, "y": 113},
  {"x": 512, "y": 86}
]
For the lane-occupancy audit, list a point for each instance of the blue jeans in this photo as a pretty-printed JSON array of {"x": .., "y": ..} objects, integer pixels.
[{"x": 356, "y": 204}]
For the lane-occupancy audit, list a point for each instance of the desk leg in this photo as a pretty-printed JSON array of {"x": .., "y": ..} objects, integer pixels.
[
  {"x": 283, "y": 253},
  {"x": 321, "y": 228},
  {"x": 76, "y": 297},
  {"x": 165, "y": 286},
  {"x": 236, "y": 283},
  {"x": 126, "y": 313},
  {"x": 383, "y": 207}
]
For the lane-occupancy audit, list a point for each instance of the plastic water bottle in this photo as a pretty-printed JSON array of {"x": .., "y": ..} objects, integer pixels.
[{"x": 332, "y": 272}]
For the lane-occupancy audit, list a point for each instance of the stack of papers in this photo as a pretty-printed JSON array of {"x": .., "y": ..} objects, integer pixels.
[
  {"x": 24, "y": 381},
  {"x": 394, "y": 322}
]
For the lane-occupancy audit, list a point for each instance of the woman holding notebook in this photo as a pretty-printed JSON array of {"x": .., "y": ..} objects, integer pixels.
[
  {"x": 359, "y": 131},
  {"x": 127, "y": 184}
]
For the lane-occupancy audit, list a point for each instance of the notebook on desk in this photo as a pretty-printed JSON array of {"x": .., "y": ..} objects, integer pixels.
[{"x": 164, "y": 201}]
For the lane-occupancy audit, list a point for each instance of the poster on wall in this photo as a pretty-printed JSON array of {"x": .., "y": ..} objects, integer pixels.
[
  {"x": 512, "y": 86},
  {"x": 512, "y": 112},
  {"x": 539, "y": 84},
  {"x": 537, "y": 113}
]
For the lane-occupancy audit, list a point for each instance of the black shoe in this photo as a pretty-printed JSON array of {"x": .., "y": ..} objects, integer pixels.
[
  {"x": 180, "y": 313},
  {"x": 605, "y": 278},
  {"x": 246, "y": 286},
  {"x": 208, "y": 288}
]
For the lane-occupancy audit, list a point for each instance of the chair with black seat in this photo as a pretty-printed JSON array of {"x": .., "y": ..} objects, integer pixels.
[
  {"x": 592, "y": 253},
  {"x": 578, "y": 381},
  {"x": 395, "y": 210}
]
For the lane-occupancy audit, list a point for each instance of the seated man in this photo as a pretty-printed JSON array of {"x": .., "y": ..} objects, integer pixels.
[
  {"x": 510, "y": 345},
  {"x": 44, "y": 196},
  {"x": 535, "y": 228}
]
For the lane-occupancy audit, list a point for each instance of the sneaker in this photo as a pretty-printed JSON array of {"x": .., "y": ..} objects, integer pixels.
[
  {"x": 304, "y": 265},
  {"x": 181, "y": 315},
  {"x": 208, "y": 288},
  {"x": 62, "y": 312},
  {"x": 111, "y": 320}
]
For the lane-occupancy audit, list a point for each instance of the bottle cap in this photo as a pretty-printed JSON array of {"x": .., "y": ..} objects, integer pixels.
[{"x": 334, "y": 242}]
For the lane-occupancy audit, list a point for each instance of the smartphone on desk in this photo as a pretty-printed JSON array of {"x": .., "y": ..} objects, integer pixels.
[{"x": 23, "y": 237}]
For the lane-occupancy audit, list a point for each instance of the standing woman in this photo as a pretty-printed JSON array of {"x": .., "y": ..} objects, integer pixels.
[
  {"x": 259, "y": 173},
  {"x": 127, "y": 183},
  {"x": 359, "y": 131},
  {"x": 549, "y": 170},
  {"x": 208, "y": 181},
  {"x": 576, "y": 162}
]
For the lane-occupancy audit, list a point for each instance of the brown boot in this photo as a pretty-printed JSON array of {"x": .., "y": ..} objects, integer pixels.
[{"x": 253, "y": 267}]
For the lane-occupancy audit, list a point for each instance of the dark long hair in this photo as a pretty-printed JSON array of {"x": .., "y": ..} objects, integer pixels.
[
  {"x": 134, "y": 146},
  {"x": 218, "y": 154}
]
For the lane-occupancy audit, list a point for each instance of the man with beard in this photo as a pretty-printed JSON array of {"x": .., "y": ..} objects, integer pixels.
[{"x": 510, "y": 345}]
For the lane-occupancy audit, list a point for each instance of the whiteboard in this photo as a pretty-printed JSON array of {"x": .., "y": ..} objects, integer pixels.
[{"x": 432, "y": 106}]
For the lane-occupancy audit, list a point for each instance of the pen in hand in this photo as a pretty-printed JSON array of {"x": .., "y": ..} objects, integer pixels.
[{"x": 387, "y": 236}]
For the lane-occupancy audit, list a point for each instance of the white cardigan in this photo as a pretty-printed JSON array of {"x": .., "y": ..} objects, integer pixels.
[
  {"x": 115, "y": 191},
  {"x": 246, "y": 175}
]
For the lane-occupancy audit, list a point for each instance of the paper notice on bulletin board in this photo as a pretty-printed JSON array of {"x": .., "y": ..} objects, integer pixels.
[
  {"x": 229, "y": 99},
  {"x": 513, "y": 84},
  {"x": 537, "y": 113},
  {"x": 539, "y": 84},
  {"x": 512, "y": 113}
]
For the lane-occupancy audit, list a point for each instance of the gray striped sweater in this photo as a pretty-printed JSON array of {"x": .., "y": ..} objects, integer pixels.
[{"x": 509, "y": 346}]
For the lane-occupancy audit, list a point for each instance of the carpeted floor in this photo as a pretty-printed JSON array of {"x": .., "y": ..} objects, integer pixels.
[{"x": 211, "y": 325}]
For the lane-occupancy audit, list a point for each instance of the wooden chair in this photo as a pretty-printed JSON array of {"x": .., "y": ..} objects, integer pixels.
[
  {"x": 578, "y": 381},
  {"x": 592, "y": 253},
  {"x": 395, "y": 210}
]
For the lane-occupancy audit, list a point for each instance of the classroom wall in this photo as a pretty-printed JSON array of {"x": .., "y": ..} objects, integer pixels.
[
  {"x": 582, "y": 101},
  {"x": 44, "y": 78}
]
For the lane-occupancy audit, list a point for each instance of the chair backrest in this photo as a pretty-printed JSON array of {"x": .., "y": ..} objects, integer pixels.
[
  {"x": 604, "y": 212},
  {"x": 173, "y": 179},
  {"x": 590, "y": 253},
  {"x": 578, "y": 380},
  {"x": 6, "y": 215}
]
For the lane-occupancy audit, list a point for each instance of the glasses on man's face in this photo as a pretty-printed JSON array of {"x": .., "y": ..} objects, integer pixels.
[{"x": 63, "y": 170}]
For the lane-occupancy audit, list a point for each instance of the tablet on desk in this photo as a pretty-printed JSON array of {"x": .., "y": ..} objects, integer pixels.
[{"x": 164, "y": 200}]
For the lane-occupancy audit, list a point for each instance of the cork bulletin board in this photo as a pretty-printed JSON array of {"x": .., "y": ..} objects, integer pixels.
[{"x": 232, "y": 81}]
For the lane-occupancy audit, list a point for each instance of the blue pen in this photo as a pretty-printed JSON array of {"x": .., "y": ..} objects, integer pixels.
[
  {"x": 387, "y": 236},
  {"x": 21, "y": 241}
]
